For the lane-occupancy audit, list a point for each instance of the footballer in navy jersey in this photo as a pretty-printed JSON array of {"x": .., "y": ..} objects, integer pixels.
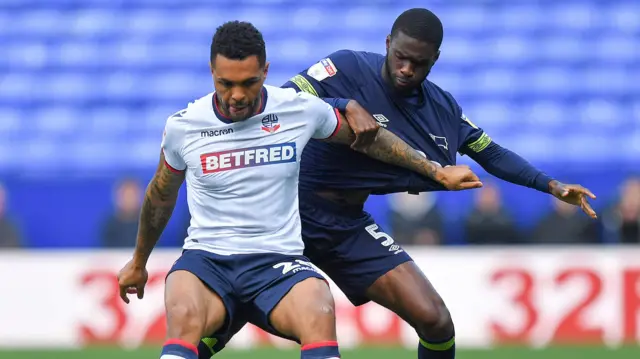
[
  {"x": 335, "y": 181},
  {"x": 342, "y": 239}
]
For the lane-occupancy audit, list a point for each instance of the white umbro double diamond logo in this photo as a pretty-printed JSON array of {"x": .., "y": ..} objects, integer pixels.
[{"x": 382, "y": 121}]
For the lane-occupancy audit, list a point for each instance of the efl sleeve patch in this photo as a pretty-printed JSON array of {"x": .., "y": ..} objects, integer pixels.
[
  {"x": 304, "y": 85},
  {"x": 322, "y": 70},
  {"x": 480, "y": 144}
]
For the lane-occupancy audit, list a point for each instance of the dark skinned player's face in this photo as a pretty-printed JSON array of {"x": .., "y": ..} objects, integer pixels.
[
  {"x": 238, "y": 85},
  {"x": 409, "y": 61}
]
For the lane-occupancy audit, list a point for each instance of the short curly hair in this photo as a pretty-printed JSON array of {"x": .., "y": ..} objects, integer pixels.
[
  {"x": 420, "y": 24},
  {"x": 238, "y": 40}
]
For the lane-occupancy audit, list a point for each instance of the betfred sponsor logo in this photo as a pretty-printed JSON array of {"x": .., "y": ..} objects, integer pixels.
[{"x": 248, "y": 157}]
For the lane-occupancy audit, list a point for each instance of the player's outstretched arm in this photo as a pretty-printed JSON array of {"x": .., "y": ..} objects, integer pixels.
[
  {"x": 389, "y": 148},
  {"x": 157, "y": 207},
  {"x": 509, "y": 166},
  {"x": 159, "y": 201}
]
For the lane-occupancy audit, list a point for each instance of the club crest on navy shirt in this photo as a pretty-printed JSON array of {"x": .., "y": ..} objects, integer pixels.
[{"x": 440, "y": 141}]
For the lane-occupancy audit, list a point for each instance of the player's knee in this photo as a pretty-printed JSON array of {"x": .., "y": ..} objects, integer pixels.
[
  {"x": 433, "y": 320},
  {"x": 184, "y": 320},
  {"x": 317, "y": 320},
  {"x": 322, "y": 308}
]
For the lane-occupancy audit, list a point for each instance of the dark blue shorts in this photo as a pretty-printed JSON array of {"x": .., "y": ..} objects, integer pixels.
[
  {"x": 250, "y": 285},
  {"x": 347, "y": 245}
]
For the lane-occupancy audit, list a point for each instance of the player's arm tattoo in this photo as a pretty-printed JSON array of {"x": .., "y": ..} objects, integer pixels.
[
  {"x": 390, "y": 149},
  {"x": 159, "y": 200}
]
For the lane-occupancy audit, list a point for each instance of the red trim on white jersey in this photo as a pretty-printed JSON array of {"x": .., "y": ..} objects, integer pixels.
[
  {"x": 338, "y": 125},
  {"x": 171, "y": 168}
]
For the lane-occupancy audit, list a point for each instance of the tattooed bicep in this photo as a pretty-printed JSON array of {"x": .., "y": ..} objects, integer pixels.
[{"x": 167, "y": 181}]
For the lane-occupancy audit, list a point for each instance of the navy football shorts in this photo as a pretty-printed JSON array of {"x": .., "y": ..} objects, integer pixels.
[
  {"x": 250, "y": 285},
  {"x": 347, "y": 245}
]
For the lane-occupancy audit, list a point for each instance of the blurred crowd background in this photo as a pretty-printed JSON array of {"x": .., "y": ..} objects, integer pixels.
[{"x": 86, "y": 87}]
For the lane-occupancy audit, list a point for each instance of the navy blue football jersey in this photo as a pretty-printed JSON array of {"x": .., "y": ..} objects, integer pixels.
[{"x": 430, "y": 121}]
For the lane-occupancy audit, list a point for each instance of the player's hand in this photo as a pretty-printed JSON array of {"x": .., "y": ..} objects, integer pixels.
[
  {"x": 574, "y": 194},
  {"x": 458, "y": 178},
  {"x": 364, "y": 126},
  {"x": 132, "y": 279}
]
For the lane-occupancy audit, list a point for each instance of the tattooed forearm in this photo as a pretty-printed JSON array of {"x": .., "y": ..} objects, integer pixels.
[
  {"x": 159, "y": 201},
  {"x": 392, "y": 149}
]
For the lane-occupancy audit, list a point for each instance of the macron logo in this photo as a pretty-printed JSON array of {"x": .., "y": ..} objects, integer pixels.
[
  {"x": 248, "y": 157},
  {"x": 216, "y": 133}
]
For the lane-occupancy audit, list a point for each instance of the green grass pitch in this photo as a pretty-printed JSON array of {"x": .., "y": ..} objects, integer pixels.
[{"x": 364, "y": 353}]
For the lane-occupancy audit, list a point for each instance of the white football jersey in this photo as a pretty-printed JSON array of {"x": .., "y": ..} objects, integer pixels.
[{"x": 242, "y": 177}]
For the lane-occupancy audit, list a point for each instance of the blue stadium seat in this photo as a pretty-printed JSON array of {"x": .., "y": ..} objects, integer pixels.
[{"x": 108, "y": 72}]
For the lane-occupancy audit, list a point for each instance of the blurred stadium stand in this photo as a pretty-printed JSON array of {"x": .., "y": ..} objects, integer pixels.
[{"x": 86, "y": 86}]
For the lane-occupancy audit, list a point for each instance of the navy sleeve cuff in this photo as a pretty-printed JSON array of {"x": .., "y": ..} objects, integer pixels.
[
  {"x": 339, "y": 103},
  {"x": 542, "y": 182}
]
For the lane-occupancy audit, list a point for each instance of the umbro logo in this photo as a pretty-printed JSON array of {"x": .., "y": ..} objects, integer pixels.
[{"x": 382, "y": 121}]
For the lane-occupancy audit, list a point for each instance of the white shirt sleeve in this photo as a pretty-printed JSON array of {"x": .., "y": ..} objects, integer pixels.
[
  {"x": 326, "y": 119},
  {"x": 172, "y": 146}
]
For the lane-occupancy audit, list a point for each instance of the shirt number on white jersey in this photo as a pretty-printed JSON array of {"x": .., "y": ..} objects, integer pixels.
[{"x": 388, "y": 241}]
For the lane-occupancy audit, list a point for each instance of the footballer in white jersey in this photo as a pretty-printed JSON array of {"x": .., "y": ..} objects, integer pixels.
[
  {"x": 239, "y": 150},
  {"x": 242, "y": 177}
]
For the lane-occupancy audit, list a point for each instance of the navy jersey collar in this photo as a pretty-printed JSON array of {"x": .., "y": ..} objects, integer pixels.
[
  {"x": 415, "y": 98},
  {"x": 264, "y": 94}
]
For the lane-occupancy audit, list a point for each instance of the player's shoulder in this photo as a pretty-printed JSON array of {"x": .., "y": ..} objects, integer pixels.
[
  {"x": 289, "y": 100},
  {"x": 343, "y": 57},
  {"x": 199, "y": 110},
  {"x": 280, "y": 93},
  {"x": 344, "y": 64},
  {"x": 366, "y": 56},
  {"x": 353, "y": 57},
  {"x": 442, "y": 98},
  {"x": 295, "y": 106},
  {"x": 300, "y": 108}
]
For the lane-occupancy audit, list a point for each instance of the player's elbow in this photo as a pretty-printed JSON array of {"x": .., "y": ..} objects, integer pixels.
[
  {"x": 160, "y": 197},
  {"x": 490, "y": 158}
]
